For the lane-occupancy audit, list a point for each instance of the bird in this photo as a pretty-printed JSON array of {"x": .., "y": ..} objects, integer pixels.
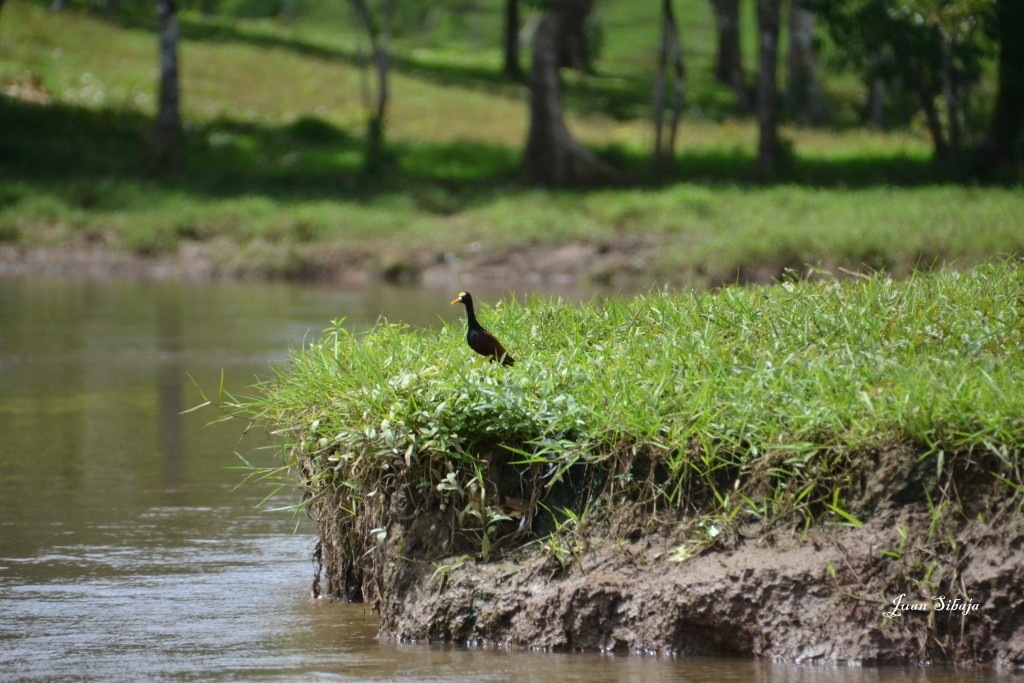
[{"x": 479, "y": 339}]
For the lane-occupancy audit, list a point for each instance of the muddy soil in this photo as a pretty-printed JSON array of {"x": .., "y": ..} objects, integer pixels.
[
  {"x": 97, "y": 261},
  {"x": 622, "y": 263},
  {"x": 821, "y": 598},
  {"x": 926, "y": 566}
]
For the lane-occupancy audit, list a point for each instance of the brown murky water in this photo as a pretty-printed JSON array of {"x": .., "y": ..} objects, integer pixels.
[{"x": 128, "y": 553}]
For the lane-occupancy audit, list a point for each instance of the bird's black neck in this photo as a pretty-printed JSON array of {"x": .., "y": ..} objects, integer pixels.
[{"x": 471, "y": 316}]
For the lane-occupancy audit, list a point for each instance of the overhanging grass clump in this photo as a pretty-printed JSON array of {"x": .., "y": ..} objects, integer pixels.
[{"x": 773, "y": 402}]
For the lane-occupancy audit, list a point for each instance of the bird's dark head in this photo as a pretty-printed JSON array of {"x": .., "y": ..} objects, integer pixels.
[{"x": 463, "y": 298}]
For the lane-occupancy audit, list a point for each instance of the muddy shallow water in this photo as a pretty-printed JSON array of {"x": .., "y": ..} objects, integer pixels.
[{"x": 128, "y": 553}]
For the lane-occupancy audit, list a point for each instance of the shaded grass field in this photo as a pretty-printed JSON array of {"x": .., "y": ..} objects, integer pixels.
[
  {"x": 273, "y": 156},
  {"x": 299, "y": 184}
]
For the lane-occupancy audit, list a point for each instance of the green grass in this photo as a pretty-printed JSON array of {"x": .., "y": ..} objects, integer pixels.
[
  {"x": 299, "y": 184},
  {"x": 273, "y": 164},
  {"x": 774, "y": 403}
]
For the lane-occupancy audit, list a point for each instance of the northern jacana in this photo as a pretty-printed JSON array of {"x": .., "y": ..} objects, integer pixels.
[{"x": 479, "y": 339}]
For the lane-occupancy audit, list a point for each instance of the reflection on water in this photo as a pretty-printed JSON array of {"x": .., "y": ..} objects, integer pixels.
[{"x": 126, "y": 552}]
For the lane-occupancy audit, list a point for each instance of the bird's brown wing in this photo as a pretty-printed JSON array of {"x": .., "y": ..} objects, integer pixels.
[
  {"x": 486, "y": 344},
  {"x": 501, "y": 354}
]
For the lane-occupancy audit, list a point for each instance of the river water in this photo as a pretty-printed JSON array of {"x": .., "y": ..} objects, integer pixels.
[{"x": 129, "y": 552}]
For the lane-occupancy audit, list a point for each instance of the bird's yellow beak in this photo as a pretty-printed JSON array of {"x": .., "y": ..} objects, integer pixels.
[{"x": 457, "y": 300}]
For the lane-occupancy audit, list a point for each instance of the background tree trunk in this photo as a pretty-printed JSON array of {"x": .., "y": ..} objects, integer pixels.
[
  {"x": 512, "y": 67},
  {"x": 877, "y": 91},
  {"x": 1004, "y": 144},
  {"x": 573, "y": 47},
  {"x": 670, "y": 50},
  {"x": 165, "y": 151},
  {"x": 376, "y": 29},
  {"x": 768, "y": 12},
  {"x": 729, "y": 63},
  {"x": 552, "y": 157},
  {"x": 926, "y": 98},
  {"x": 951, "y": 94},
  {"x": 805, "y": 97}
]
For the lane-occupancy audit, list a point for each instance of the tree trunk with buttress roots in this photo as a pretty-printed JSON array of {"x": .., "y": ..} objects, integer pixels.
[{"x": 553, "y": 158}]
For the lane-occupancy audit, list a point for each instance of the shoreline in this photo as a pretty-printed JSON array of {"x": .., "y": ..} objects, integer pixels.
[
  {"x": 623, "y": 264},
  {"x": 559, "y": 264}
]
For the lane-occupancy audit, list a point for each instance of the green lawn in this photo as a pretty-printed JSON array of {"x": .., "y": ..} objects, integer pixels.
[{"x": 273, "y": 154}]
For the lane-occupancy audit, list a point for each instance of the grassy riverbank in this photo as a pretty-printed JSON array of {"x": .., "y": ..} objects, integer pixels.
[{"x": 786, "y": 407}]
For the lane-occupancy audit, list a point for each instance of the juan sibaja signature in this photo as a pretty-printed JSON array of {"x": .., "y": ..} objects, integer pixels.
[{"x": 939, "y": 603}]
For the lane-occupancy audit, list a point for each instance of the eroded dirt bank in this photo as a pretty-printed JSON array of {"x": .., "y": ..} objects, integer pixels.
[
  {"x": 935, "y": 574},
  {"x": 622, "y": 263},
  {"x": 535, "y": 264},
  {"x": 823, "y": 599}
]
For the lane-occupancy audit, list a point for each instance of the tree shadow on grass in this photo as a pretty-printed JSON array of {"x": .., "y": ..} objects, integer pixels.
[
  {"x": 62, "y": 149},
  {"x": 622, "y": 96},
  {"x": 308, "y": 159}
]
